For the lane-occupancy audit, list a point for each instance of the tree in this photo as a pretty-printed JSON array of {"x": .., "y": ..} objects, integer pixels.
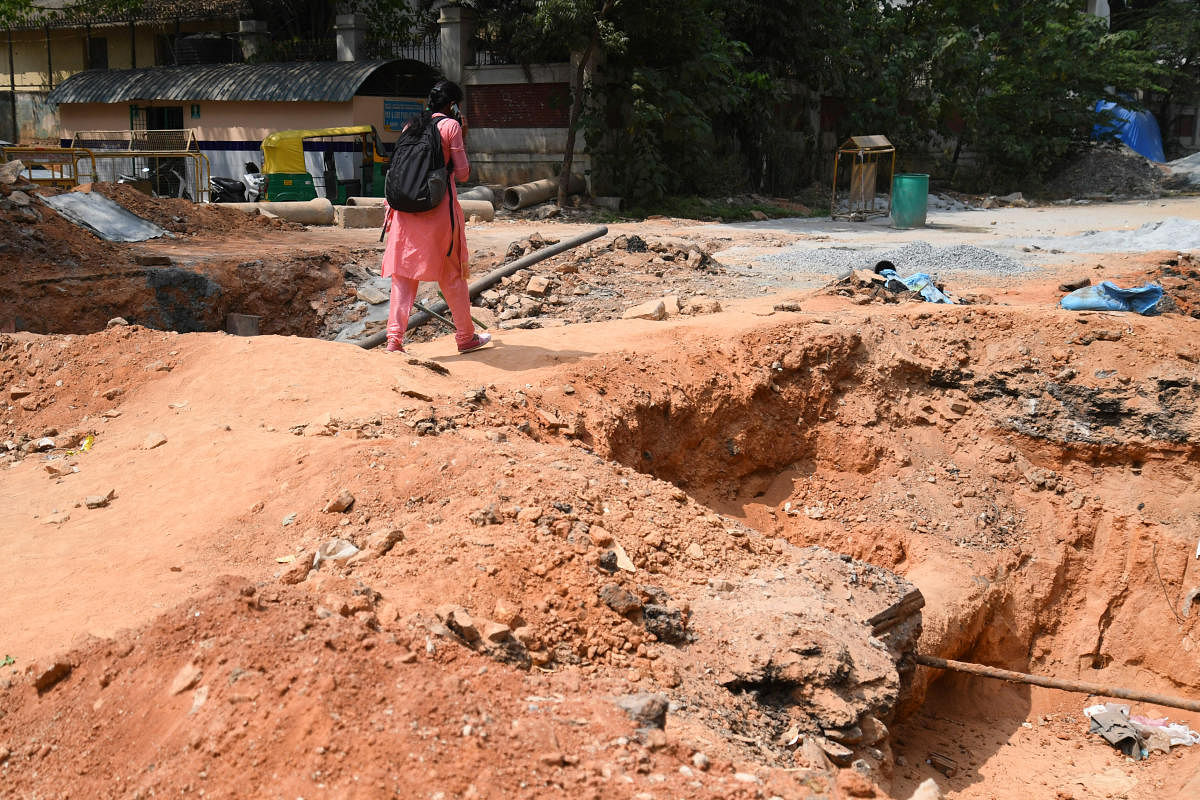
[
  {"x": 314, "y": 19},
  {"x": 1016, "y": 82},
  {"x": 834, "y": 53},
  {"x": 585, "y": 26},
  {"x": 654, "y": 117},
  {"x": 1170, "y": 30},
  {"x": 14, "y": 12}
]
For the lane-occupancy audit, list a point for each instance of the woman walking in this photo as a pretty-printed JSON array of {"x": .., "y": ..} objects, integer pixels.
[{"x": 432, "y": 245}]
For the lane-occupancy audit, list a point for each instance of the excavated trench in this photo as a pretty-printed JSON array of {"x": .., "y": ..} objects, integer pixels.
[
  {"x": 212, "y": 262},
  {"x": 1039, "y": 490},
  {"x": 288, "y": 295}
]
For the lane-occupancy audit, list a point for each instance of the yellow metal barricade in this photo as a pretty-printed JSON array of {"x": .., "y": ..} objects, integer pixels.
[{"x": 59, "y": 167}]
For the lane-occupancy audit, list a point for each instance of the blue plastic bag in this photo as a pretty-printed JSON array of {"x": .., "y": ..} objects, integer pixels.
[
  {"x": 918, "y": 282},
  {"x": 1107, "y": 296}
]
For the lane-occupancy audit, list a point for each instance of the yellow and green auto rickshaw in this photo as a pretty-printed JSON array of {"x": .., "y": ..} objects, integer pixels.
[{"x": 287, "y": 176}]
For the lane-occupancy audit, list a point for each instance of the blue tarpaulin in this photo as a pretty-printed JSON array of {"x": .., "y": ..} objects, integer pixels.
[
  {"x": 1107, "y": 296},
  {"x": 918, "y": 282},
  {"x": 1138, "y": 129}
]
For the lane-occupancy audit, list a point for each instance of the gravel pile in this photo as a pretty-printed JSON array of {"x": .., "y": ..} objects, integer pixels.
[
  {"x": 1185, "y": 172},
  {"x": 1105, "y": 170},
  {"x": 1172, "y": 233},
  {"x": 912, "y": 257}
]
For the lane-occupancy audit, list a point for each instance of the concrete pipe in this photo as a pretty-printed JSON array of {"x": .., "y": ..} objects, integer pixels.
[
  {"x": 478, "y": 193},
  {"x": 530, "y": 194},
  {"x": 478, "y": 208},
  {"x": 311, "y": 212},
  {"x": 471, "y": 207}
]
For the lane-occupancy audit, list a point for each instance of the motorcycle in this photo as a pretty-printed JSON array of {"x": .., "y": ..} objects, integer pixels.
[
  {"x": 229, "y": 190},
  {"x": 255, "y": 182},
  {"x": 226, "y": 190}
]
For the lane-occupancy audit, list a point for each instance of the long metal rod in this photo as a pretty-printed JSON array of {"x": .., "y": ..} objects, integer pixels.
[
  {"x": 491, "y": 279},
  {"x": 434, "y": 314},
  {"x": 1056, "y": 683}
]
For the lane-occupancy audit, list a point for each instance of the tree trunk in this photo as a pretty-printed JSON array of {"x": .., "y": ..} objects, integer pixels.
[{"x": 564, "y": 177}]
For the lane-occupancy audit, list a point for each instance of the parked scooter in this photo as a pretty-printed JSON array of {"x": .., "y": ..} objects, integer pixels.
[
  {"x": 255, "y": 182},
  {"x": 226, "y": 190}
]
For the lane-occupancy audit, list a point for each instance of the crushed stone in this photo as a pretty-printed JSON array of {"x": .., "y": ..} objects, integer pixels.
[
  {"x": 1184, "y": 171},
  {"x": 913, "y": 257},
  {"x": 1172, "y": 233}
]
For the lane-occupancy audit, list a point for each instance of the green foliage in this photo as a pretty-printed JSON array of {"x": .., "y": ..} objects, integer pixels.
[
  {"x": 18, "y": 12},
  {"x": 649, "y": 124},
  {"x": 508, "y": 29},
  {"x": 14, "y": 12},
  {"x": 1170, "y": 30},
  {"x": 1014, "y": 83},
  {"x": 707, "y": 96}
]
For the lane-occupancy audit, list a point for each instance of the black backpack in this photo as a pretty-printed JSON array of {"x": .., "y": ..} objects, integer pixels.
[{"x": 417, "y": 177}]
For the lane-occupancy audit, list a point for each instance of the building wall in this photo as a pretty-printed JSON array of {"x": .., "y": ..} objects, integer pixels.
[
  {"x": 34, "y": 73},
  {"x": 517, "y": 122},
  {"x": 227, "y": 122},
  {"x": 230, "y": 134},
  {"x": 520, "y": 105}
]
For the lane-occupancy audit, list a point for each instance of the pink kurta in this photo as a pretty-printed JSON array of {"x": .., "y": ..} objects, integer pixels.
[{"x": 419, "y": 244}]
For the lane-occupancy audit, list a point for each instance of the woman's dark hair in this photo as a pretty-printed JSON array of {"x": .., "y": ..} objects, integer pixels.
[{"x": 441, "y": 96}]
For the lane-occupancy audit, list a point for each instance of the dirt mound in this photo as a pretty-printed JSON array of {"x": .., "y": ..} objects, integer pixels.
[
  {"x": 35, "y": 237},
  {"x": 599, "y": 569},
  {"x": 1180, "y": 279},
  {"x": 1105, "y": 170},
  {"x": 266, "y": 690},
  {"x": 182, "y": 216},
  {"x": 544, "y": 557},
  {"x": 61, "y": 278}
]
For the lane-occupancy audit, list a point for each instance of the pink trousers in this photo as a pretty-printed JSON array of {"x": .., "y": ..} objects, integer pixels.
[{"x": 404, "y": 292}]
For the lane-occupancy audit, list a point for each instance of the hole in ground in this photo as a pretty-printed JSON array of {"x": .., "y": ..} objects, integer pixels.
[
  {"x": 215, "y": 261},
  {"x": 1036, "y": 530}
]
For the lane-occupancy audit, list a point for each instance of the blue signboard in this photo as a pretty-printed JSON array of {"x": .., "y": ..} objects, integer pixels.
[{"x": 398, "y": 112}]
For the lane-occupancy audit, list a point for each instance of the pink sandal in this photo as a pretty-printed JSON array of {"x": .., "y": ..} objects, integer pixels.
[
  {"x": 477, "y": 341},
  {"x": 395, "y": 344}
]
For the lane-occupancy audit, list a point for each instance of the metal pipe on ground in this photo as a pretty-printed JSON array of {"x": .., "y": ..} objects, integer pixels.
[
  {"x": 490, "y": 280},
  {"x": 530, "y": 194},
  {"x": 1081, "y": 687},
  {"x": 309, "y": 212}
]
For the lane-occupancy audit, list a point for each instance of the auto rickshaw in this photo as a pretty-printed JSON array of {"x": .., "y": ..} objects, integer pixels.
[{"x": 287, "y": 176}]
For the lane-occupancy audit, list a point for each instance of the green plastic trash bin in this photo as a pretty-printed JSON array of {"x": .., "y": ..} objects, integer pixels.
[{"x": 910, "y": 200}]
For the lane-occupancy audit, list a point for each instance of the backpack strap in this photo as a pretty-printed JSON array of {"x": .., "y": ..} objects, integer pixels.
[{"x": 451, "y": 184}]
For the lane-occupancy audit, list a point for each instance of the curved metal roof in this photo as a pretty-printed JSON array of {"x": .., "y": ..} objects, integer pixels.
[{"x": 314, "y": 81}]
